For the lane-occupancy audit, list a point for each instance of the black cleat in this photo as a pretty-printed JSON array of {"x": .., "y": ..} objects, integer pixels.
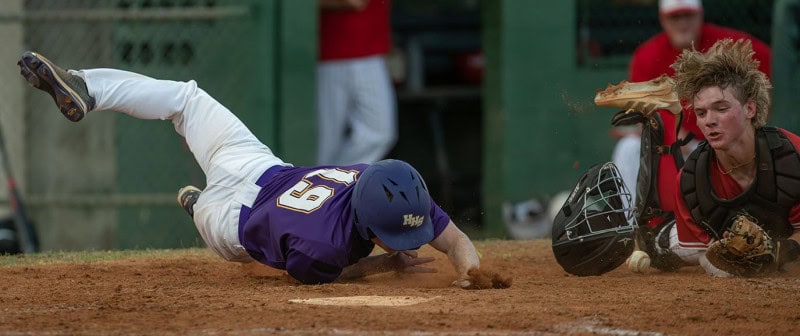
[
  {"x": 187, "y": 197},
  {"x": 68, "y": 91}
]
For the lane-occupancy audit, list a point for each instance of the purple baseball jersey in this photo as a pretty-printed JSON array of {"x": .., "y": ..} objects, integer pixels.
[{"x": 302, "y": 222}]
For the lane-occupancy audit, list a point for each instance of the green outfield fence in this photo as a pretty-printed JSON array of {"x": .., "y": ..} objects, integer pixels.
[{"x": 110, "y": 180}]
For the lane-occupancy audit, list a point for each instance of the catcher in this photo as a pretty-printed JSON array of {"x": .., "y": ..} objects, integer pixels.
[
  {"x": 740, "y": 189},
  {"x": 738, "y": 209}
]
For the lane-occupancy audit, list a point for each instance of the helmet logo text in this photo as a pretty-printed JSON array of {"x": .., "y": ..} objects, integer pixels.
[{"x": 412, "y": 221}]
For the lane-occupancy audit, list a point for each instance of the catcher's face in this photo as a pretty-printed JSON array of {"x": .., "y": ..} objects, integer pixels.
[
  {"x": 682, "y": 29},
  {"x": 723, "y": 119}
]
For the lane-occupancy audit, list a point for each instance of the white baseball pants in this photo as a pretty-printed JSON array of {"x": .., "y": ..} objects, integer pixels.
[
  {"x": 626, "y": 157},
  {"x": 231, "y": 157},
  {"x": 356, "y": 96}
]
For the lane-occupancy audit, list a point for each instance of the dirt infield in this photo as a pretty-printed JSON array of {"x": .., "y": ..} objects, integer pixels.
[{"x": 203, "y": 295}]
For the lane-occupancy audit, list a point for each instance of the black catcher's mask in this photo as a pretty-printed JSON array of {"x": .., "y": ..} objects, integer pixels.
[{"x": 593, "y": 233}]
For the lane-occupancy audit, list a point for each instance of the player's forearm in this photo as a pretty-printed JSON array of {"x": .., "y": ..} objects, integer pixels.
[
  {"x": 367, "y": 266},
  {"x": 463, "y": 255},
  {"x": 459, "y": 249}
]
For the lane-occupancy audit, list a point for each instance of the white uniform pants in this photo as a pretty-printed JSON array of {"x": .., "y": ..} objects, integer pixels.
[
  {"x": 355, "y": 95},
  {"x": 626, "y": 157},
  {"x": 693, "y": 255},
  {"x": 688, "y": 255},
  {"x": 231, "y": 157}
]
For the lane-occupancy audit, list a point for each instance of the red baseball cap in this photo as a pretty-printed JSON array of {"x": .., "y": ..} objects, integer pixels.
[{"x": 674, "y": 7}]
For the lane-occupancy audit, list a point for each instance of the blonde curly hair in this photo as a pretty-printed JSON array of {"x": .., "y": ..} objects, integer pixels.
[{"x": 725, "y": 64}]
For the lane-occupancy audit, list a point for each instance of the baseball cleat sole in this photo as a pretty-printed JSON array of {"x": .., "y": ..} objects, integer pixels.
[{"x": 42, "y": 74}]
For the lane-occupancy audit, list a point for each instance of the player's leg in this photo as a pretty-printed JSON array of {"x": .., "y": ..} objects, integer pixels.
[
  {"x": 229, "y": 154},
  {"x": 333, "y": 103},
  {"x": 210, "y": 129},
  {"x": 373, "y": 121},
  {"x": 626, "y": 157},
  {"x": 663, "y": 247},
  {"x": 690, "y": 256},
  {"x": 212, "y": 132}
]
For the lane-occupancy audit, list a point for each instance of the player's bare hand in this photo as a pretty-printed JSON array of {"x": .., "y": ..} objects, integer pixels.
[{"x": 409, "y": 261}]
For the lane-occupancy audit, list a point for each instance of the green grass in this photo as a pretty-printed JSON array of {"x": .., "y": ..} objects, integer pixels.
[{"x": 60, "y": 257}]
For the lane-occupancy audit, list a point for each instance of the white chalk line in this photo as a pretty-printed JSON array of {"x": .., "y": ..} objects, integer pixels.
[{"x": 366, "y": 301}]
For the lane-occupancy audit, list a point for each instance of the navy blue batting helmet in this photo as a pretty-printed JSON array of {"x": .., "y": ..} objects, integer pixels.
[{"x": 391, "y": 201}]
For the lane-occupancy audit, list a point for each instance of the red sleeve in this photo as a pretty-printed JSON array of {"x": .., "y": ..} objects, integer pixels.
[{"x": 690, "y": 235}]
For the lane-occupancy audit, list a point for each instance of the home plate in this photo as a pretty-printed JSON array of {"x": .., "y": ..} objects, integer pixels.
[{"x": 371, "y": 300}]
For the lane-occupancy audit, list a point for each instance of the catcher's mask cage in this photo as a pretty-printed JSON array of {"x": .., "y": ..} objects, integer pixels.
[{"x": 594, "y": 231}]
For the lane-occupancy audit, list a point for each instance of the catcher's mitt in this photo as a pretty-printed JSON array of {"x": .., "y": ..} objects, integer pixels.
[
  {"x": 645, "y": 97},
  {"x": 746, "y": 250}
]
